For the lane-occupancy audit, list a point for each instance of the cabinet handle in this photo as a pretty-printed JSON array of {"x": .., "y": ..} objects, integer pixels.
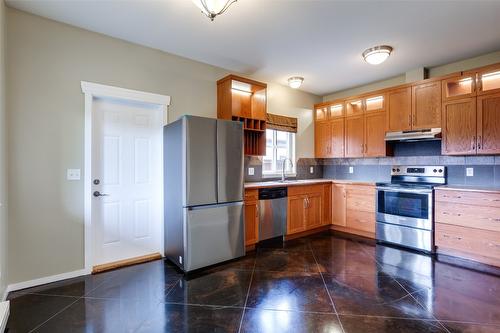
[
  {"x": 305, "y": 203},
  {"x": 414, "y": 118},
  {"x": 362, "y": 148},
  {"x": 409, "y": 120},
  {"x": 474, "y": 143},
  {"x": 479, "y": 142}
]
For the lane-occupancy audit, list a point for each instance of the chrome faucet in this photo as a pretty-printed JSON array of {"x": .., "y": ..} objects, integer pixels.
[{"x": 283, "y": 168}]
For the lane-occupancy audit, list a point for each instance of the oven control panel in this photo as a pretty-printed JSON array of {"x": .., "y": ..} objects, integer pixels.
[{"x": 423, "y": 171}]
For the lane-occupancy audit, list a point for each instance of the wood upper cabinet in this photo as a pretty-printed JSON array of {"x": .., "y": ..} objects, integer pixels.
[
  {"x": 488, "y": 80},
  {"x": 336, "y": 110},
  {"x": 321, "y": 113},
  {"x": 488, "y": 124},
  {"x": 337, "y": 135},
  {"x": 426, "y": 105},
  {"x": 459, "y": 87},
  {"x": 322, "y": 139},
  {"x": 399, "y": 110},
  {"x": 354, "y": 107},
  {"x": 459, "y": 127},
  {"x": 354, "y": 136},
  {"x": 375, "y": 103},
  {"x": 375, "y": 135}
]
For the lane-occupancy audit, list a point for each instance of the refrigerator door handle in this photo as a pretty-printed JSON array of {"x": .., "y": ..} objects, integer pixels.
[{"x": 227, "y": 204}]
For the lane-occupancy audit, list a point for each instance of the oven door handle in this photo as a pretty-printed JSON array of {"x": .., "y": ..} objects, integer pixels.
[{"x": 388, "y": 189}]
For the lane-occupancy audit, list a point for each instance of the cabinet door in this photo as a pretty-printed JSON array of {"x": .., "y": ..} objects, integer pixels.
[
  {"x": 338, "y": 205},
  {"x": 327, "y": 204},
  {"x": 354, "y": 136},
  {"x": 488, "y": 124},
  {"x": 354, "y": 107},
  {"x": 399, "y": 110},
  {"x": 375, "y": 135},
  {"x": 321, "y": 113},
  {"x": 251, "y": 223},
  {"x": 337, "y": 137},
  {"x": 459, "y": 87},
  {"x": 314, "y": 210},
  {"x": 336, "y": 110},
  {"x": 459, "y": 127},
  {"x": 296, "y": 215},
  {"x": 489, "y": 80},
  {"x": 426, "y": 105},
  {"x": 374, "y": 103},
  {"x": 322, "y": 139}
]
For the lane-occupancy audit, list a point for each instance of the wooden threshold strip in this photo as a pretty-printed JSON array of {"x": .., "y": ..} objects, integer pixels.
[{"x": 125, "y": 262}]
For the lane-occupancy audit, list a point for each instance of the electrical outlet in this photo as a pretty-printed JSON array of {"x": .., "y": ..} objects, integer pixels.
[
  {"x": 469, "y": 172},
  {"x": 251, "y": 171},
  {"x": 73, "y": 174},
  {"x": 351, "y": 169},
  {"x": 311, "y": 169}
]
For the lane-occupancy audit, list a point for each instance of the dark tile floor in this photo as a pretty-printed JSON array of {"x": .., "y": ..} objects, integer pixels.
[{"x": 321, "y": 283}]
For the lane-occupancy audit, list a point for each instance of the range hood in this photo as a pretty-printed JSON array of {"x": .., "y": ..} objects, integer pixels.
[{"x": 416, "y": 135}]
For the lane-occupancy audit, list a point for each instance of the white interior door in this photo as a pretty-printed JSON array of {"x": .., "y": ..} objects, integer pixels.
[{"x": 127, "y": 170}]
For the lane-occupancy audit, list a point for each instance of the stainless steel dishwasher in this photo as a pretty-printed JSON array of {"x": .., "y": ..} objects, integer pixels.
[{"x": 273, "y": 206}]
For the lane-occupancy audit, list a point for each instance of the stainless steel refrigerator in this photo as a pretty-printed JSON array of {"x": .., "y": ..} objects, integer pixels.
[{"x": 203, "y": 175}]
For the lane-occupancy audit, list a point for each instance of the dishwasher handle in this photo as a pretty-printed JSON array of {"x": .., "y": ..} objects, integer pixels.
[{"x": 273, "y": 193}]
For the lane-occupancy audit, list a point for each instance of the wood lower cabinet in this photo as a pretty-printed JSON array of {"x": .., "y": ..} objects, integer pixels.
[
  {"x": 353, "y": 209},
  {"x": 251, "y": 217},
  {"x": 459, "y": 127},
  {"x": 354, "y": 136},
  {"x": 306, "y": 207},
  {"x": 468, "y": 225},
  {"x": 426, "y": 105},
  {"x": 488, "y": 124},
  {"x": 399, "y": 110}
]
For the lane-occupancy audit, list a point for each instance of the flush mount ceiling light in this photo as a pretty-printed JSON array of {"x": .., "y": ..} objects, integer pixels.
[
  {"x": 377, "y": 55},
  {"x": 213, "y": 8},
  {"x": 295, "y": 82}
]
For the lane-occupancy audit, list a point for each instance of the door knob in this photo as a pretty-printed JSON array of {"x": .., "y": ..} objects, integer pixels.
[{"x": 99, "y": 194}]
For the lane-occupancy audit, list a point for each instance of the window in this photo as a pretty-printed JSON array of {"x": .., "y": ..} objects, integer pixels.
[{"x": 279, "y": 145}]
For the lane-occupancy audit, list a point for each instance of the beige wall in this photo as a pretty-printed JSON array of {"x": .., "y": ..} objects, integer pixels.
[
  {"x": 46, "y": 61},
  {"x": 463, "y": 65},
  {"x": 3, "y": 162}
]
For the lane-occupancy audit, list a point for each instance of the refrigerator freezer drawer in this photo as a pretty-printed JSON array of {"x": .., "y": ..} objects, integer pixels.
[
  {"x": 414, "y": 238},
  {"x": 214, "y": 234}
]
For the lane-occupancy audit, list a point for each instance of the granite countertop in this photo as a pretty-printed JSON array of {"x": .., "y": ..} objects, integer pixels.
[
  {"x": 471, "y": 188},
  {"x": 275, "y": 183}
]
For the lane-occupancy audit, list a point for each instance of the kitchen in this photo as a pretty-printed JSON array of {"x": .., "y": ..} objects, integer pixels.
[{"x": 340, "y": 194}]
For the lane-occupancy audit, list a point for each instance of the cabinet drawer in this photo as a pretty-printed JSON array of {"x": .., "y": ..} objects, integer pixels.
[
  {"x": 359, "y": 202},
  {"x": 469, "y": 198},
  {"x": 305, "y": 189},
  {"x": 251, "y": 195},
  {"x": 476, "y": 242},
  {"x": 486, "y": 218},
  {"x": 361, "y": 190},
  {"x": 359, "y": 220}
]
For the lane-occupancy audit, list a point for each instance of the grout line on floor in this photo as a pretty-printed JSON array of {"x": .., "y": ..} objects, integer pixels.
[
  {"x": 326, "y": 288},
  {"x": 248, "y": 293},
  {"x": 56, "y": 314}
]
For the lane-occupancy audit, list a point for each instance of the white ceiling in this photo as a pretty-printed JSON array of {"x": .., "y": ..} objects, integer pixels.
[{"x": 275, "y": 39}]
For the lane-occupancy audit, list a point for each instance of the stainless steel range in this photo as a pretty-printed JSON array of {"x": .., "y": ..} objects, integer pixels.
[{"x": 405, "y": 210}]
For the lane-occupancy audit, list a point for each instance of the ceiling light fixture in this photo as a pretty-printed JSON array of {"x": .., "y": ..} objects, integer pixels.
[
  {"x": 213, "y": 8},
  {"x": 377, "y": 55},
  {"x": 295, "y": 82}
]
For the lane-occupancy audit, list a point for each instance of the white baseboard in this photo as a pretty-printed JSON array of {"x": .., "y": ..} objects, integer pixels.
[
  {"x": 4, "y": 314},
  {"x": 45, "y": 280}
]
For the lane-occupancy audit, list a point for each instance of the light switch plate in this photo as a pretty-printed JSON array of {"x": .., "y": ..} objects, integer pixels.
[
  {"x": 73, "y": 174},
  {"x": 311, "y": 169},
  {"x": 251, "y": 171},
  {"x": 469, "y": 172},
  {"x": 351, "y": 169}
]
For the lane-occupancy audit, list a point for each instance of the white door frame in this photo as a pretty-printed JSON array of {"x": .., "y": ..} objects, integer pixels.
[{"x": 91, "y": 91}]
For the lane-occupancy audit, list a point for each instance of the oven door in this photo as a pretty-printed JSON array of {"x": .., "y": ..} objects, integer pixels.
[{"x": 408, "y": 207}]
